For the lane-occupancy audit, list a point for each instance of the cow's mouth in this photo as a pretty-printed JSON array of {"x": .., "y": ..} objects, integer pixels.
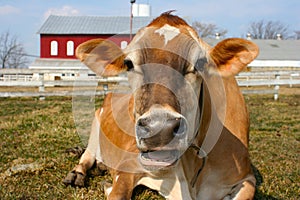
[{"x": 154, "y": 160}]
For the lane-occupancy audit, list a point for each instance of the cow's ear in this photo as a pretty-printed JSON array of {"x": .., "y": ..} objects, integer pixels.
[
  {"x": 103, "y": 57},
  {"x": 231, "y": 56}
]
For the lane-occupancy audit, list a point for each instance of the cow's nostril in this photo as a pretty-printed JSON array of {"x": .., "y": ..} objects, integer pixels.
[
  {"x": 142, "y": 122},
  {"x": 180, "y": 127},
  {"x": 142, "y": 131}
]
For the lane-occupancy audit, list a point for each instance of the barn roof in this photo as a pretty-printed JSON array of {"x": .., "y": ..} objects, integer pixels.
[
  {"x": 278, "y": 49},
  {"x": 92, "y": 25}
]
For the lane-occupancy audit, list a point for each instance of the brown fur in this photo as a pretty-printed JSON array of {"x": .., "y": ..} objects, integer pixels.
[{"x": 167, "y": 18}]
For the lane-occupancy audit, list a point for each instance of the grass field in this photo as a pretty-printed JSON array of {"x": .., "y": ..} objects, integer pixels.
[{"x": 34, "y": 136}]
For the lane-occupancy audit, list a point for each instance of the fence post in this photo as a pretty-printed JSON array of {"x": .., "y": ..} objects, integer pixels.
[
  {"x": 291, "y": 79},
  {"x": 276, "y": 88},
  {"x": 42, "y": 86}
]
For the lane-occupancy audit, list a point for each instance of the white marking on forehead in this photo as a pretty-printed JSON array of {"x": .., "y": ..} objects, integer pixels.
[{"x": 169, "y": 32}]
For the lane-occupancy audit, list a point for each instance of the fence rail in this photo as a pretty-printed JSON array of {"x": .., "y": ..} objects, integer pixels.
[
  {"x": 36, "y": 79},
  {"x": 52, "y": 93}
]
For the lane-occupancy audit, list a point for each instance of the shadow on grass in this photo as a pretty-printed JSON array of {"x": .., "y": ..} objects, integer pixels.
[{"x": 259, "y": 195}]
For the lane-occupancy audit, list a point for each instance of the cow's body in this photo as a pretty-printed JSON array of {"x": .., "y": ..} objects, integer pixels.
[{"x": 149, "y": 137}]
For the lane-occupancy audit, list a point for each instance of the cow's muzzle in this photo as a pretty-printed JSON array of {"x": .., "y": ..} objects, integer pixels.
[{"x": 161, "y": 135}]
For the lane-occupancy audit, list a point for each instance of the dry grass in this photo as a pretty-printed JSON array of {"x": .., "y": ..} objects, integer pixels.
[
  {"x": 275, "y": 145},
  {"x": 35, "y": 134}
]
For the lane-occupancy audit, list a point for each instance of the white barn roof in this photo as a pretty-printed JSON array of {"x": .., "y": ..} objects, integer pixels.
[
  {"x": 92, "y": 25},
  {"x": 278, "y": 49}
]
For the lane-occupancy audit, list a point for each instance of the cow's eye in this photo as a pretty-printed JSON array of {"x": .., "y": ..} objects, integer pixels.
[
  {"x": 129, "y": 65},
  {"x": 200, "y": 64}
]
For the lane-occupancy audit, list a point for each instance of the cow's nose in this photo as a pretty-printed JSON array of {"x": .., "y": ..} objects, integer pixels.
[{"x": 161, "y": 130}]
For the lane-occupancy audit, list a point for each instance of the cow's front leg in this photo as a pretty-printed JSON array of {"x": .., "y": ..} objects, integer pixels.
[
  {"x": 123, "y": 185},
  {"x": 244, "y": 190},
  {"x": 77, "y": 175}
]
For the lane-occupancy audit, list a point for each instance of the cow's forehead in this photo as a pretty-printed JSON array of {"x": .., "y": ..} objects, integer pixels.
[
  {"x": 177, "y": 41},
  {"x": 162, "y": 36}
]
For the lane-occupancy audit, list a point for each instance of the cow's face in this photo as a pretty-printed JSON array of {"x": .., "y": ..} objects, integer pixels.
[{"x": 166, "y": 62}]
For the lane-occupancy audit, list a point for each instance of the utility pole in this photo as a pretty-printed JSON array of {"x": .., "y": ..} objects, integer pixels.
[{"x": 131, "y": 16}]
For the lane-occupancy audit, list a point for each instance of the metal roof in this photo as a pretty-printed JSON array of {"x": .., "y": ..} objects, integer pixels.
[
  {"x": 278, "y": 49},
  {"x": 50, "y": 63},
  {"x": 92, "y": 25}
]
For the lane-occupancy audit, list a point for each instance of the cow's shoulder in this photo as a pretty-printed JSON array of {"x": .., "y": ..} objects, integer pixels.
[{"x": 116, "y": 120}]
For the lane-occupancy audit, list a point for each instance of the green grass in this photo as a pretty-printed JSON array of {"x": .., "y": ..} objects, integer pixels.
[
  {"x": 275, "y": 145},
  {"x": 39, "y": 132}
]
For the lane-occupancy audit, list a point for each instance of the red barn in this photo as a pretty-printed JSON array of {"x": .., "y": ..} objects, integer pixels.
[{"x": 60, "y": 35}]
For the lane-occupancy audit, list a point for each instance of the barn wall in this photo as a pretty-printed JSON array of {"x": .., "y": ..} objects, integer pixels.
[{"x": 45, "y": 41}]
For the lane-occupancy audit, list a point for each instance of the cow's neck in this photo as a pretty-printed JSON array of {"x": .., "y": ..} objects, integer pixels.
[
  {"x": 199, "y": 137},
  {"x": 204, "y": 105}
]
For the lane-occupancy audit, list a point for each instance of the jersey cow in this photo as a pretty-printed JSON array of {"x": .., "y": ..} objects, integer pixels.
[{"x": 183, "y": 130}]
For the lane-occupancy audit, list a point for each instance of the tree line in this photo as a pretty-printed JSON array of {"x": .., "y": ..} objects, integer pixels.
[
  {"x": 13, "y": 54},
  {"x": 256, "y": 30}
]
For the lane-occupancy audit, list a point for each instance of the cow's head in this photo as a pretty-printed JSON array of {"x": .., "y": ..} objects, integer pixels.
[{"x": 166, "y": 62}]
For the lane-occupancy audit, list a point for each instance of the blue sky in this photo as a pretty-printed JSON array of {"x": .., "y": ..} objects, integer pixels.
[{"x": 23, "y": 18}]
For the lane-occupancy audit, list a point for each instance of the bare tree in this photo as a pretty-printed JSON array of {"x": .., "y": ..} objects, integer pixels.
[
  {"x": 297, "y": 35},
  {"x": 268, "y": 30},
  {"x": 208, "y": 29},
  {"x": 12, "y": 53}
]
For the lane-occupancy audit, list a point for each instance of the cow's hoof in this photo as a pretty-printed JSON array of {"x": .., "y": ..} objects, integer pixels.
[
  {"x": 75, "y": 179},
  {"x": 106, "y": 187},
  {"x": 102, "y": 168}
]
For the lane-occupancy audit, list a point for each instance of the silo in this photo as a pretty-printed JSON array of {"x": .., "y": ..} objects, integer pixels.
[{"x": 141, "y": 10}]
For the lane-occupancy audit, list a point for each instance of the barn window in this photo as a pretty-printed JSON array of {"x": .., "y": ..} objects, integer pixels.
[
  {"x": 124, "y": 44},
  {"x": 54, "y": 48},
  {"x": 70, "y": 48}
]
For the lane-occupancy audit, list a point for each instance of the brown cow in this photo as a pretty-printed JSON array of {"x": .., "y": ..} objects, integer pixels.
[{"x": 184, "y": 129}]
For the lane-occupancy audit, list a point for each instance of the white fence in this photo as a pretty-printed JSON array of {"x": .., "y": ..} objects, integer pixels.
[
  {"x": 273, "y": 80},
  {"x": 36, "y": 79},
  {"x": 247, "y": 79}
]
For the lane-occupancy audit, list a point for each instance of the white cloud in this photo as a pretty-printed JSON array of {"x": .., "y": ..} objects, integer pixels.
[
  {"x": 65, "y": 10},
  {"x": 7, "y": 9}
]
